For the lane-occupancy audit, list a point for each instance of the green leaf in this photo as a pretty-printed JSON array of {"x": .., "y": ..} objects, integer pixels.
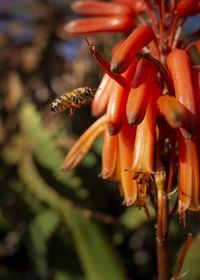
[
  {"x": 191, "y": 262},
  {"x": 41, "y": 230},
  {"x": 45, "y": 151},
  {"x": 134, "y": 217},
  {"x": 97, "y": 256},
  {"x": 96, "y": 253}
]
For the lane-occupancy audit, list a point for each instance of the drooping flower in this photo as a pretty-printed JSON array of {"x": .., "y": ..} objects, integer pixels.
[{"x": 150, "y": 76}]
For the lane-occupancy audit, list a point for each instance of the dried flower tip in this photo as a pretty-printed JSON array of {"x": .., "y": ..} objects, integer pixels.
[
  {"x": 101, "y": 8},
  {"x": 100, "y": 24},
  {"x": 139, "y": 38}
]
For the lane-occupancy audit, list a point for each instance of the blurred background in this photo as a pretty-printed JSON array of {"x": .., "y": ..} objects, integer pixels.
[{"x": 75, "y": 228}]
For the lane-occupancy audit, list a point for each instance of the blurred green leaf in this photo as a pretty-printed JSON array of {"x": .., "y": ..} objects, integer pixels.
[
  {"x": 41, "y": 230},
  {"x": 191, "y": 262},
  {"x": 96, "y": 254},
  {"x": 12, "y": 152},
  {"x": 134, "y": 217},
  {"x": 64, "y": 275},
  {"x": 43, "y": 147},
  {"x": 97, "y": 257}
]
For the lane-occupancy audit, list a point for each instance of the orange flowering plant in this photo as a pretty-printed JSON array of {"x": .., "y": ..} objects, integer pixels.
[{"x": 149, "y": 102}]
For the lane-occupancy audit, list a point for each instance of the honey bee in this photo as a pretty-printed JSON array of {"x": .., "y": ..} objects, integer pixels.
[{"x": 72, "y": 100}]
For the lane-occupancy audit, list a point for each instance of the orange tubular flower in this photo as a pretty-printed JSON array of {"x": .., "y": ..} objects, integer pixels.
[
  {"x": 130, "y": 94},
  {"x": 144, "y": 149},
  {"x": 117, "y": 101},
  {"x": 83, "y": 145},
  {"x": 179, "y": 65},
  {"x": 139, "y": 38},
  {"x": 196, "y": 83},
  {"x": 176, "y": 114},
  {"x": 143, "y": 159},
  {"x": 188, "y": 178},
  {"x": 140, "y": 91},
  {"x": 109, "y": 155},
  {"x": 101, "y": 97},
  {"x": 188, "y": 174},
  {"x": 126, "y": 143}
]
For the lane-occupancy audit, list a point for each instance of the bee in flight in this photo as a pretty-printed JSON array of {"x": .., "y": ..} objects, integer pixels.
[{"x": 72, "y": 100}]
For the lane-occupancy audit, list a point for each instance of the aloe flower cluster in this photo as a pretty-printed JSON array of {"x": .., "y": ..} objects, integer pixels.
[{"x": 149, "y": 99}]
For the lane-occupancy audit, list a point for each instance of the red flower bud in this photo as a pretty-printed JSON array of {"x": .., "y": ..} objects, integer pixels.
[
  {"x": 101, "y": 8},
  {"x": 117, "y": 101},
  {"x": 100, "y": 24},
  {"x": 141, "y": 91},
  {"x": 139, "y": 38},
  {"x": 139, "y": 6},
  {"x": 185, "y": 7}
]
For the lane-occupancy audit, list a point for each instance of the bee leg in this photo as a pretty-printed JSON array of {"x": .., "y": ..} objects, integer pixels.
[{"x": 71, "y": 111}]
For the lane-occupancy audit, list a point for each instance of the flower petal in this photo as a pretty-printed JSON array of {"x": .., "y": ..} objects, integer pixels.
[
  {"x": 109, "y": 155},
  {"x": 126, "y": 138},
  {"x": 99, "y": 104}
]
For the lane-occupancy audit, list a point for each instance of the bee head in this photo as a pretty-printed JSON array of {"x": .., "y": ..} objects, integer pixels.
[
  {"x": 89, "y": 92},
  {"x": 52, "y": 108}
]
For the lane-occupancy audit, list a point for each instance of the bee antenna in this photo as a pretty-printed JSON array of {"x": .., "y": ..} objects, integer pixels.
[
  {"x": 86, "y": 39},
  {"x": 96, "y": 88}
]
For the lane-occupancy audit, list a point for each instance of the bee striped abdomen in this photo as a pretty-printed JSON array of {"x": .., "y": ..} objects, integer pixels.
[{"x": 72, "y": 100}]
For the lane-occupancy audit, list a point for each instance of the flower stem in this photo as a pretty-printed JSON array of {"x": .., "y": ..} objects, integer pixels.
[{"x": 162, "y": 228}]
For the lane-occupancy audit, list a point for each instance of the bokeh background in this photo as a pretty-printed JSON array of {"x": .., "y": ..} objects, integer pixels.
[{"x": 74, "y": 228}]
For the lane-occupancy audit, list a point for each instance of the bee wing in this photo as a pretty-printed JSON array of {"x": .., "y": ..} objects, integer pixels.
[{"x": 61, "y": 86}]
